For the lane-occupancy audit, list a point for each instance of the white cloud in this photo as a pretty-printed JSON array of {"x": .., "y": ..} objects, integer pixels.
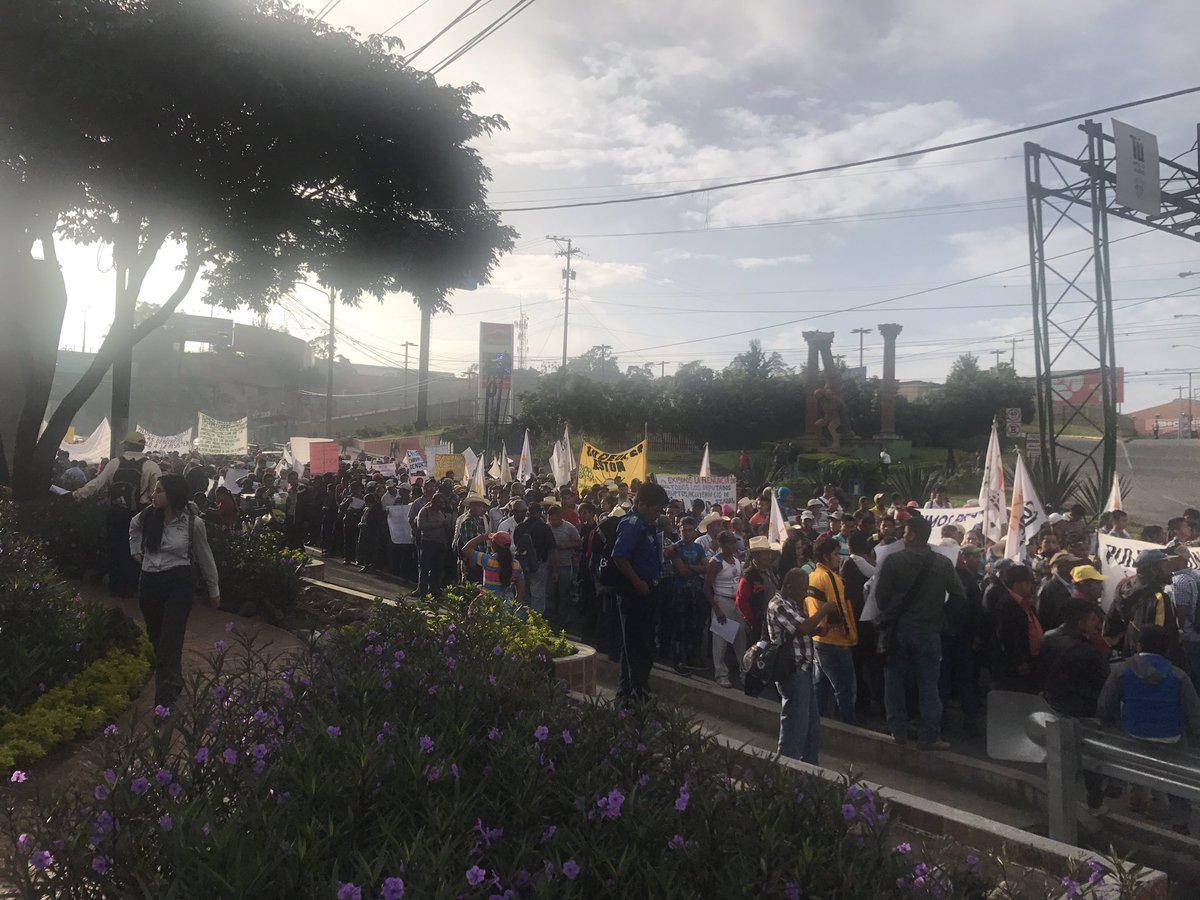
[{"x": 759, "y": 262}]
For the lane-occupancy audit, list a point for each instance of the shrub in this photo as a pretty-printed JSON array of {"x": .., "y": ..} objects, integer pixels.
[
  {"x": 421, "y": 751},
  {"x": 48, "y": 634},
  {"x": 259, "y": 575},
  {"x": 74, "y": 534},
  {"x": 519, "y": 630}
]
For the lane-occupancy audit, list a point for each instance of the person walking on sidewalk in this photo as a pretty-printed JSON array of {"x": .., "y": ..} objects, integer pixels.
[{"x": 165, "y": 538}]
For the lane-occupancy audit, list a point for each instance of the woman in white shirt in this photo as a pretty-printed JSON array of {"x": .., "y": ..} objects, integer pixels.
[{"x": 165, "y": 538}]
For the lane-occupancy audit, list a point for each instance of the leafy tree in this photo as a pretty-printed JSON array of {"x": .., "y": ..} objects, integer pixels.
[
  {"x": 597, "y": 362},
  {"x": 756, "y": 363},
  {"x": 268, "y": 146}
]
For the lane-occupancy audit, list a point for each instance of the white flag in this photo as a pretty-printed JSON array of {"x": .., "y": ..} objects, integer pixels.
[
  {"x": 705, "y": 467},
  {"x": 477, "y": 483},
  {"x": 1027, "y": 515},
  {"x": 778, "y": 528},
  {"x": 1114, "y": 496},
  {"x": 525, "y": 464},
  {"x": 505, "y": 469},
  {"x": 567, "y": 444},
  {"x": 560, "y": 464},
  {"x": 991, "y": 490},
  {"x": 469, "y": 461}
]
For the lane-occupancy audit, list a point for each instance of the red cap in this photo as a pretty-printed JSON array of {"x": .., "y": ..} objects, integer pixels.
[
  {"x": 500, "y": 538},
  {"x": 913, "y": 504}
]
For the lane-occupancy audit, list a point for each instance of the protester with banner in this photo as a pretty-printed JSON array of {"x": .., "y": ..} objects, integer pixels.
[{"x": 596, "y": 466}]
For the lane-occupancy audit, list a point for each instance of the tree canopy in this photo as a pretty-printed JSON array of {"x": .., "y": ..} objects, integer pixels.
[{"x": 272, "y": 147}]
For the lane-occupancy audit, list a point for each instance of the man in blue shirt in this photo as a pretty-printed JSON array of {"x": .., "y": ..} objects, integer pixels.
[{"x": 638, "y": 557}]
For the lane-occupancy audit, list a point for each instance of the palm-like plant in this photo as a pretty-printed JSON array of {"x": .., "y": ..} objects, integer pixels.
[
  {"x": 913, "y": 482},
  {"x": 1094, "y": 496}
]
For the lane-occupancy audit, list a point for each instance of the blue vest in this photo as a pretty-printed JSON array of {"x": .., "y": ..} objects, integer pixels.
[{"x": 1151, "y": 710}]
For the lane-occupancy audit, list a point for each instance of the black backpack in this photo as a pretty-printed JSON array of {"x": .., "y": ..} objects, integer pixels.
[
  {"x": 125, "y": 489},
  {"x": 607, "y": 574}
]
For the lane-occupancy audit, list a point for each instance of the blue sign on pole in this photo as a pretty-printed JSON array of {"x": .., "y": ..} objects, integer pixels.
[{"x": 857, "y": 487}]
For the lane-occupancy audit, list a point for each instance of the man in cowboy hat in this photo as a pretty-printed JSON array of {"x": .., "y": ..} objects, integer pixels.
[
  {"x": 758, "y": 585},
  {"x": 469, "y": 526},
  {"x": 711, "y": 527},
  {"x": 130, "y": 479}
]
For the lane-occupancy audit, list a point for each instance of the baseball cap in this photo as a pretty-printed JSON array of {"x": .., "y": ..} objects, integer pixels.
[
  {"x": 1149, "y": 558},
  {"x": 807, "y": 516},
  {"x": 1086, "y": 573},
  {"x": 879, "y": 497},
  {"x": 1063, "y": 556},
  {"x": 500, "y": 538}
]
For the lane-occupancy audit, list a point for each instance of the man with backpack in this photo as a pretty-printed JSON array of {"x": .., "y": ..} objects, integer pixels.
[{"x": 130, "y": 479}]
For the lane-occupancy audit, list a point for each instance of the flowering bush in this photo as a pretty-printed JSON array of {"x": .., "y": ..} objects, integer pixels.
[
  {"x": 259, "y": 575},
  {"x": 48, "y": 634},
  {"x": 519, "y": 630},
  {"x": 417, "y": 758}
]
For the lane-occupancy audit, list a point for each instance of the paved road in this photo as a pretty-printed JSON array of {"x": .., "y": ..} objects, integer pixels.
[{"x": 1165, "y": 475}]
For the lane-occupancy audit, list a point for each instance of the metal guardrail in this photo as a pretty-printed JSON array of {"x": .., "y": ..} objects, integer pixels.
[{"x": 1073, "y": 746}]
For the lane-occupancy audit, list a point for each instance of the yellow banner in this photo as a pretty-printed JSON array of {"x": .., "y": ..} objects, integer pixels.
[
  {"x": 597, "y": 467},
  {"x": 445, "y": 463}
]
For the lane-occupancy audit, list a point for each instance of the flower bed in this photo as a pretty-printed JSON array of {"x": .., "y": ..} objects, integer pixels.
[{"x": 420, "y": 758}]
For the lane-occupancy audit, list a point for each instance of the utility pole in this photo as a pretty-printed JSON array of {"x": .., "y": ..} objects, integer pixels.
[
  {"x": 568, "y": 276},
  {"x": 998, "y": 354},
  {"x": 329, "y": 367},
  {"x": 662, "y": 368},
  {"x": 860, "y": 332},
  {"x": 1014, "y": 354},
  {"x": 407, "y": 344}
]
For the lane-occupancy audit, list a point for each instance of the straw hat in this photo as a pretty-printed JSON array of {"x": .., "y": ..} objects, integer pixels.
[
  {"x": 762, "y": 543},
  {"x": 475, "y": 498}
]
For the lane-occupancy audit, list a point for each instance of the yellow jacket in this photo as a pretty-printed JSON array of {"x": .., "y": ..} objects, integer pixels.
[{"x": 823, "y": 585}]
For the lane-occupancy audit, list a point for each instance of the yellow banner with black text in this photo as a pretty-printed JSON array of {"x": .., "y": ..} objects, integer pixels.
[{"x": 597, "y": 467}]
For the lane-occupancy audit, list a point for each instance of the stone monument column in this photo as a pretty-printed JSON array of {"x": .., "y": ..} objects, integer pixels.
[
  {"x": 817, "y": 341},
  {"x": 887, "y": 387}
]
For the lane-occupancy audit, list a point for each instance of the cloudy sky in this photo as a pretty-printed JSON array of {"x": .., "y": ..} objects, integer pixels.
[{"x": 627, "y": 97}]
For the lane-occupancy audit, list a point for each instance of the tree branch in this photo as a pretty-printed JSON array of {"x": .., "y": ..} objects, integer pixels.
[{"x": 57, "y": 426}]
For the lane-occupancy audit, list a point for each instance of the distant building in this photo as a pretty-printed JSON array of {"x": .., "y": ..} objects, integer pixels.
[
  {"x": 1169, "y": 415},
  {"x": 916, "y": 390}
]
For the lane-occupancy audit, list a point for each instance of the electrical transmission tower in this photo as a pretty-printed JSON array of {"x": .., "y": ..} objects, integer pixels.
[{"x": 523, "y": 340}]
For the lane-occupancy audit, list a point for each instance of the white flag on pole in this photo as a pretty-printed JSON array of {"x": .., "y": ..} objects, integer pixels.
[
  {"x": 560, "y": 464},
  {"x": 1114, "y": 496},
  {"x": 567, "y": 444},
  {"x": 705, "y": 467},
  {"x": 469, "y": 461},
  {"x": 477, "y": 484},
  {"x": 991, "y": 490},
  {"x": 506, "y": 475},
  {"x": 778, "y": 528},
  {"x": 1027, "y": 515},
  {"x": 525, "y": 464}
]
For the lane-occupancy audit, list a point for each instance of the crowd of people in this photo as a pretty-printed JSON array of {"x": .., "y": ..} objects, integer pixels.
[{"x": 901, "y": 637}]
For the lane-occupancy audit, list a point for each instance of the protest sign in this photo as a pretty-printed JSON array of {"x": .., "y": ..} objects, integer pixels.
[
  {"x": 445, "y": 463},
  {"x": 166, "y": 443},
  {"x": 322, "y": 457},
  {"x": 95, "y": 448},
  {"x": 398, "y": 525},
  {"x": 414, "y": 462},
  {"x": 221, "y": 438},
  {"x": 232, "y": 477},
  {"x": 596, "y": 466},
  {"x": 709, "y": 488},
  {"x": 387, "y": 470},
  {"x": 966, "y": 518}
]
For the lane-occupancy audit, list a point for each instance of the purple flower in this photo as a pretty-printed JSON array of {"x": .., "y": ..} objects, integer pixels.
[
  {"x": 431, "y": 690},
  {"x": 18, "y": 777},
  {"x": 111, "y": 777},
  {"x": 162, "y": 777},
  {"x": 904, "y": 848},
  {"x": 432, "y": 773},
  {"x": 165, "y": 822},
  {"x": 1097, "y": 873},
  {"x": 451, "y": 662},
  {"x": 260, "y": 716},
  {"x": 566, "y": 736},
  {"x": 849, "y": 812},
  {"x": 259, "y": 766},
  {"x": 972, "y": 862},
  {"x": 681, "y": 802},
  {"x": 497, "y": 650},
  {"x": 100, "y": 864},
  {"x": 571, "y": 869},
  {"x": 426, "y": 744},
  {"x": 220, "y": 693},
  {"x": 548, "y": 834},
  {"x": 347, "y": 890},
  {"x": 139, "y": 785},
  {"x": 104, "y": 822},
  {"x": 541, "y": 733},
  {"x": 175, "y": 789},
  {"x": 258, "y": 751},
  {"x": 675, "y": 843},
  {"x": 333, "y": 731},
  {"x": 791, "y": 890},
  {"x": 110, "y": 731},
  {"x": 41, "y": 859},
  {"x": 1069, "y": 885},
  {"x": 921, "y": 870},
  {"x": 22, "y": 841},
  {"x": 611, "y": 805},
  {"x": 161, "y": 712},
  {"x": 202, "y": 755},
  {"x": 387, "y": 685},
  {"x": 392, "y": 889},
  {"x": 228, "y": 627},
  {"x": 229, "y": 755},
  {"x": 219, "y": 645},
  {"x": 492, "y": 680},
  {"x": 475, "y": 875},
  {"x": 101, "y": 792},
  {"x": 643, "y": 780}
]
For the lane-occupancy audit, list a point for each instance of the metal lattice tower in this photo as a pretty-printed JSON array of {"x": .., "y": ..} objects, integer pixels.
[
  {"x": 1069, "y": 197},
  {"x": 522, "y": 340}
]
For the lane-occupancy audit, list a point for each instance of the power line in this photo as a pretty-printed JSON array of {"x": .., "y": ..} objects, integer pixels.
[
  {"x": 462, "y": 15},
  {"x": 329, "y": 7},
  {"x": 388, "y": 30},
  {"x": 837, "y": 167},
  {"x": 507, "y": 16}
]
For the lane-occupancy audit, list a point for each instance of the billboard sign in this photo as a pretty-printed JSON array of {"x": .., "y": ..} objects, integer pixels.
[
  {"x": 1083, "y": 386},
  {"x": 1137, "y": 169},
  {"x": 496, "y": 353}
]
